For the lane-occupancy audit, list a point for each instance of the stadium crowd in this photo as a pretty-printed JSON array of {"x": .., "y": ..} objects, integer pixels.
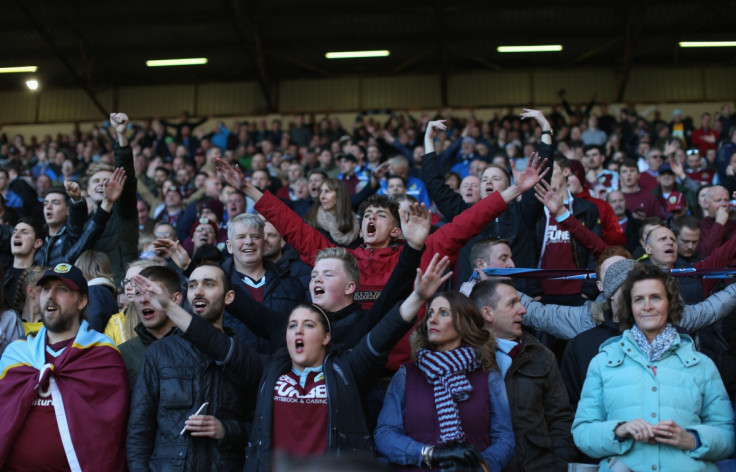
[{"x": 517, "y": 294}]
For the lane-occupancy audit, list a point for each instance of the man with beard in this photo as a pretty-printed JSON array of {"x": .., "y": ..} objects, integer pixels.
[
  {"x": 154, "y": 323},
  {"x": 186, "y": 413},
  {"x": 64, "y": 389}
]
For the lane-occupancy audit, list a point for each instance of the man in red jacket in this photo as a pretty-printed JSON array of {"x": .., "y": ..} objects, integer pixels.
[{"x": 381, "y": 229}]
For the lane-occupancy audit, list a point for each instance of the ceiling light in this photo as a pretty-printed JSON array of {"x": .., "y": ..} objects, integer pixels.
[
  {"x": 540, "y": 48},
  {"x": 707, "y": 44},
  {"x": 177, "y": 62},
  {"x": 32, "y": 84},
  {"x": 15, "y": 70},
  {"x": 354, "y": 54}
]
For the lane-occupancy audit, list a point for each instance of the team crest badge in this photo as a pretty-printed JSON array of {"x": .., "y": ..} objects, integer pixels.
[{"x": 62, "y": 268}]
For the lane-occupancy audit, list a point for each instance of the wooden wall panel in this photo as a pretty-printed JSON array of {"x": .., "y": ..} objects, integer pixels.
[
  {"x": 664, "y": 85},
  {"x": 18, "y": 106},
  {"x": 71, "y": 105},
  {"x": 401, "y": 92},
  {"x": 234, "y": 98},
  {"x": 489, "y": 89},
  {"x": 163, "y": 100},
  {"x": 580, "y": 85},
  {"x": 319, "y": 95}
]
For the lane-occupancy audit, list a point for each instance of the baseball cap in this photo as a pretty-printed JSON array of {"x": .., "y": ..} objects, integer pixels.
[
  {"x": 675, "y": 202},
  {"x": 70, "y": 275}
]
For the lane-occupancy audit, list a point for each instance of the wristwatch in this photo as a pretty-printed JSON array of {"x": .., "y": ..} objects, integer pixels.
[{"x": 548, "y": 131}]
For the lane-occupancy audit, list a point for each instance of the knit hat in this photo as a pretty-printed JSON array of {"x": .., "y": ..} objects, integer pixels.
[
  {"x": 70, "y": 275},
  {"x": 577, "y": 169},
  {"x": 615, "y": 276},
  {"x": 215, "y": 206},
  {"x": 203, "y": 221}
]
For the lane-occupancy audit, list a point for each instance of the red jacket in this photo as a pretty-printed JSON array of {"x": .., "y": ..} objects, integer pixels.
[
  {"x": 613, "y": 235},
  {"x": 713, "y": 235},
  {"x": 376, "y": 264}
]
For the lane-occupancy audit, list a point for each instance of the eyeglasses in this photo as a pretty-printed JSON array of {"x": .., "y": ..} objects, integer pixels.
[
  {"x": 656, "y": 156},
  {"x": 125, "y": 282},
  {"x": 204, "y": 229},
  {"x": 167, "y": 234},
  {"x": 690, "y": 152}
]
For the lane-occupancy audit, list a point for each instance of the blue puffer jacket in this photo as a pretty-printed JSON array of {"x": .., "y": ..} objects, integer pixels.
[{"x": 621, "y": 386}]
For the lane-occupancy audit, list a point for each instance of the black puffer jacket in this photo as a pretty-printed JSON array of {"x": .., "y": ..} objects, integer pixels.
[{"x": 176, "y": 378}]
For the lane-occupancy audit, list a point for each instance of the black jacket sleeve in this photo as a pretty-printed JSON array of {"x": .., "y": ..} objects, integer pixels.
[
  {"x": 370, "y": 355},
  {"x": 531, "y": 208},
  {"x": 399, "y": 286},
  {"x": 263, "y": 321},
  {"x": 448, "y": 202},
  {"x": 241, "y": 364}
]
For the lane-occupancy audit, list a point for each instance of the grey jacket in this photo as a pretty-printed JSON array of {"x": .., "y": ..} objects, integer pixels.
[
  {"x": 566, "y": 322},
  {"x": 11, "y": 328}
]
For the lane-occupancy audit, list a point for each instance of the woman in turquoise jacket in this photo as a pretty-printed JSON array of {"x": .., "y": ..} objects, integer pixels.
[{"x": 650, "y": 400}]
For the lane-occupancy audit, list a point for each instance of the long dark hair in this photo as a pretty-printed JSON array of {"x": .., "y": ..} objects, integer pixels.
[
  {"x": 343, "y": 209},
  {"x": 468, "y": 323}
]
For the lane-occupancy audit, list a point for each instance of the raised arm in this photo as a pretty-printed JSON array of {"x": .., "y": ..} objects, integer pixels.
[
  {"x": 371, "y": 353},
  {"x": 448, "y": 202},
  {"x": 562, "y": 321},
  {"x": 242, "y": 364},
  {"x": 304, "y": 238},
  {"x": 549, "y": 198},
  {"x": 450, "y": 238}
]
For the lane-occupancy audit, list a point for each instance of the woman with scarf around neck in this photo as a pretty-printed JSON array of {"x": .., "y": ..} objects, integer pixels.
[
  {"x": 650, "y": 400},
  {"x": 448, "y": 408}
]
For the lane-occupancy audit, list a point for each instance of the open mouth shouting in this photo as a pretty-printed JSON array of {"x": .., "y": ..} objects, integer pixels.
[
  {"x": 299, "y": 345},
  {"x": 147, "y": 313},
  {"x": 370, "y": 229},
  {"x": 199, "y": 305},
  {"x": 51, "y": 308}
]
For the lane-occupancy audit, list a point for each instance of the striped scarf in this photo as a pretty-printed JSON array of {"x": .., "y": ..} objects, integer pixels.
[{"x": 446, "y": 371}]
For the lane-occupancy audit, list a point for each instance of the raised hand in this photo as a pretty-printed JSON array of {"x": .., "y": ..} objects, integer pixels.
[
  {"x": 152, "y": 293},
  {"x": 529, "y": 177},
  {"x": 671, "y": 147},
  {"x": 549, "y": 198},
  {"x": 381, "y": 170},
  {"x": 231, "y": 174},
  {"x": 234, "y": 176},
  {"x": 416, "y": 221},
  {"x": 676, "y": 167},
  {"x": 73, "y": 190},
  {"x": 425, "y": 285},
  {"x": 172, "y": 249},
  {"x": 431, "y": 133},
  {"x": 114, "y": 187},
  {"x": 537, "y": 116},
  {"x": 119, "y": 121}
]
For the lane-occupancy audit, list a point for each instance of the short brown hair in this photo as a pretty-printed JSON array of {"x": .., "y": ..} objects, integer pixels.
[{"x": 650, "y": 272}]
